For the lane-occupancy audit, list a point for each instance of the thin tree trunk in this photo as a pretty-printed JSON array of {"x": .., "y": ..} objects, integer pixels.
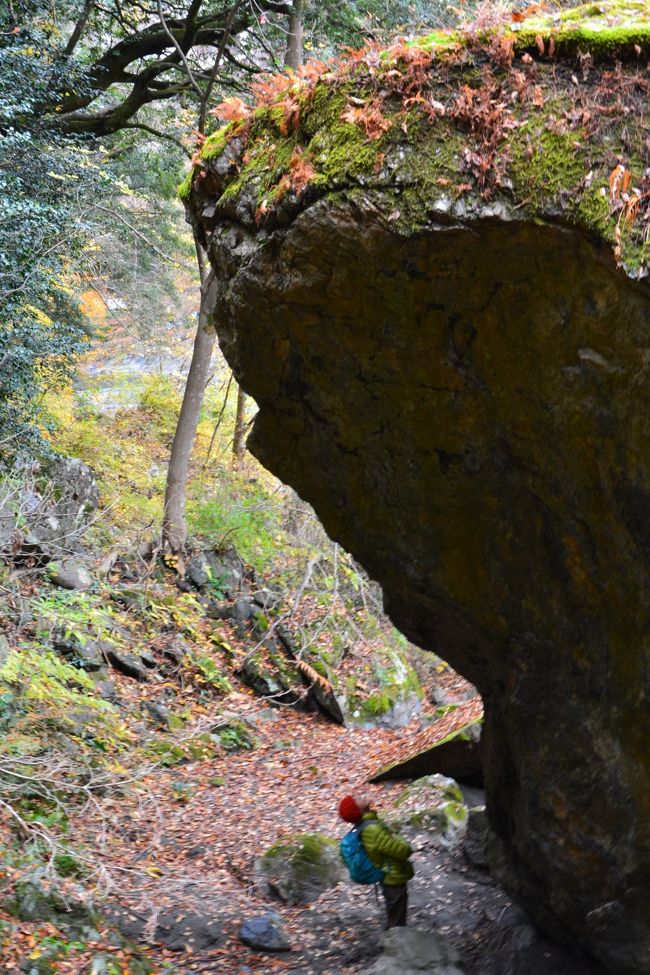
[
  {"x": 295, "y": 40},
  {"x": 239, "y": 439},
  {"x": 174, "y": 532},
  {"x": 80, "y": 26}
]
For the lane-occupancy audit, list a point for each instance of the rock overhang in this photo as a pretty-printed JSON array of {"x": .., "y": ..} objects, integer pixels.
[{"x": 433, "y": 279}]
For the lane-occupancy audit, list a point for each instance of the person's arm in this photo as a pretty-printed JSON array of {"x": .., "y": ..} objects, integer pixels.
[{"x": 380, "y": 840}]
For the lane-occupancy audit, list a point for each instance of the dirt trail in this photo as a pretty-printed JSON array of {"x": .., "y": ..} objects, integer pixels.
[{"x": 198, "y": 856}]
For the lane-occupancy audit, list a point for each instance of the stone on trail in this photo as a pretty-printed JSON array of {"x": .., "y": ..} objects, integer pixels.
[
  {"x": 409, "y": 951},
  {"x": 434, "y": 804},
  {"x": 446, "y": 332},
  {"x": 266, "y": 933}
]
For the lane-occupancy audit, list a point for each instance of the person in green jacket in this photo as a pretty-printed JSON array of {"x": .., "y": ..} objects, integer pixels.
[{"x": 388, "y": 851}]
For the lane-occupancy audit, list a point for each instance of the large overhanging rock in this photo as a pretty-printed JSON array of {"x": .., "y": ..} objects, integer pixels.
[{"x": 432, "y": 278}]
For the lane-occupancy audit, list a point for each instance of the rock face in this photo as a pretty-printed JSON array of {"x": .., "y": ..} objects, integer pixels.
[{"x": 452, "y": 370}]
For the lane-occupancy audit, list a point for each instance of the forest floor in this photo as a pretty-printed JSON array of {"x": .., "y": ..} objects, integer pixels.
[
  {"x": 174, "y": 852},
  {"x": 189, "y": 861},
  {"x": 204, "y": 851}
]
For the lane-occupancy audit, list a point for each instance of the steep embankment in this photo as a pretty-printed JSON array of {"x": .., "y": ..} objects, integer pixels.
[{"x": 433, "y": 279}]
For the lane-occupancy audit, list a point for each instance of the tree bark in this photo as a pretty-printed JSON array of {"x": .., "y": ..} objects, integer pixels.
[
  {"x": 174, "y": 531},
  {"x": 294, "y": 53},
  {"x": 239, "y": 439}
]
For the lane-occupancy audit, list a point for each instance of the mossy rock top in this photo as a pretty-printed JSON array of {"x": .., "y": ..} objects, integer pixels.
[{"x": 533, "y": 120}]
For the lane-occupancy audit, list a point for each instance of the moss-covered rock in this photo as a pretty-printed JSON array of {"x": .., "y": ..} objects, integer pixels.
[
  {"x": 435, "y": 804},
  {"x": 299, "y": 868},
  {"x": 433, "y": 278}
]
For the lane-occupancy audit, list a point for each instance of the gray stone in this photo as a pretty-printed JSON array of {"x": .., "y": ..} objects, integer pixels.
[
  {"x": 106, "y": 690},
  {"x": 161, "y": 715},
  {"x": 434, "y": 804},
  {"x": 242, "y": 610},
  {"x": 216, "y": 610},
  {"x": 34, "y": 899},
  {"x": 299, "y": 868},
  {"x": 409, "y": 951},
  {"x": 176, "y": 651},
  {"x": 266, "y": 933},
  {"x": 198, "y": 571},
  {"x": 70, "y": 575},
  {"x": 127, "y": 664}
]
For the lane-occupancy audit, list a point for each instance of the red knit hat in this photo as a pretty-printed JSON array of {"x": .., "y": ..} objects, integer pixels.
[{"x": 349, "y": 810}]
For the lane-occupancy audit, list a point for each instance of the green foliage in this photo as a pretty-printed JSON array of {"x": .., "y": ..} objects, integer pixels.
[
  {"x": 211, "y": 672},
  {"x": 240, "y": 511},
  {"x": 236, "y": 737},
  {"x": 160, "y": 400},
  {"x": 170, "y": 753}
]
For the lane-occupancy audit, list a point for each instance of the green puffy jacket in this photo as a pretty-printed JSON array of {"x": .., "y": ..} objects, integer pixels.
[{"x": 386, "y": 850}]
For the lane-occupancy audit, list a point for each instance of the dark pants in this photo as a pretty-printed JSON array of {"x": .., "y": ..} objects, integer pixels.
[{"x": 396, "y": 898}]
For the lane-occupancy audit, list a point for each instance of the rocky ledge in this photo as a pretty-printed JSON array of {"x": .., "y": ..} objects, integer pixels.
[{"x": 432, "y": 271}]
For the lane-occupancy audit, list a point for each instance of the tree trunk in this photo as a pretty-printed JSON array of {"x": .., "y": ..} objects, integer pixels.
[
  {"x": 294, "y": 52},
  {"x": 174, "y": 531},
  {"x": 239, "y": 440}
]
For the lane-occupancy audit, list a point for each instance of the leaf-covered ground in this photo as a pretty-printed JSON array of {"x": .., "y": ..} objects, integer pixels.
[{"x": 187, "y": 838}]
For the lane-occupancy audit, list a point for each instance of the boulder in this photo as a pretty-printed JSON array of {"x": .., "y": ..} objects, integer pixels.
[
  {"x": 87, "y": 655},
  {"x": 457, "y": 756},
  {"x": 297, "y": 869},
  {"x": 408, "y": 951},
  {"x": 265, "y": 933},
  {"x": 127, "y": 664},
  {"x": 217, "y": 572},
  {"x": 435, "y": 804},
  {"x": 35, "y": 899},
  {"x": 269, "y": 673},
  {"x": 69, "y": 575},
  {"x": 39, "y": 523},
  {"x": 446, "y": 318}
]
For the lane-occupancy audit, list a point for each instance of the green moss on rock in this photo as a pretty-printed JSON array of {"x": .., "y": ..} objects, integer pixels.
[
  {"x": 533, "y": 157},
  {"x": 298, "y": 868}
]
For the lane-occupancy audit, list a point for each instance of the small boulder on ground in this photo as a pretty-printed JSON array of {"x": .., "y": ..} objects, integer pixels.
[
  {"x": 299, "y": 868},
  {"x": 435, "y": 804},
  {"x": 69, "y": 575},
  {"x": 266, "y": 933},
  {"x": 408, "y": 951},
  {"x": 127, "y": 664}
]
